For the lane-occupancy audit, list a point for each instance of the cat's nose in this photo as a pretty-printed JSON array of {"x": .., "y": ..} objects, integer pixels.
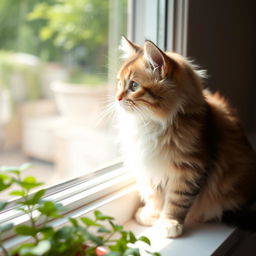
[{"x": 120, "y": 96}]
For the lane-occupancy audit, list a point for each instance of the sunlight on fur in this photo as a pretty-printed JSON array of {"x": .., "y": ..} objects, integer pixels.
[{"x": 184, "y": 144}]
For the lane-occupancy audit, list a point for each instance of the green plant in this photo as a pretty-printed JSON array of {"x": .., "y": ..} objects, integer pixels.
[{"x": 81, "y": 237}]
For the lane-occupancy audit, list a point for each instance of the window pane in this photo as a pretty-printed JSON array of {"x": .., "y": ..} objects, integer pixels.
[{"x": 58, "y": 59}]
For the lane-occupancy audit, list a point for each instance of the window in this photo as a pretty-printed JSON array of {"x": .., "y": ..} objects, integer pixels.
[
  {"x": 67, "y": 149},
  {"x": 58, "y": 60},
  {"x": 70, "y": 146},
  {"x": 109, "y": 189}
]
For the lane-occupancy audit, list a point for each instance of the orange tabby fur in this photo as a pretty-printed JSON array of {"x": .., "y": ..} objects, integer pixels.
[{"x": 186, "y": 145}]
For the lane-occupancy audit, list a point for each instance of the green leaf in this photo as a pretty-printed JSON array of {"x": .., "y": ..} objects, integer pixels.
[
  {"x": 153, "y": 253},
  {"x": 132, "y": 238},
  {"x": 30, "y": 179},
  {"x": 6, "y": 227},
  {"x": 116, "y": 228},
  {"x": 20, "y": 193},
  {"x": 25, "y": 230},
  {"x": 124, "y": 236},
  {"x": 156, "y": 254},
  {"x": 103, "y": 230},
  {"x": 46, "y": 33},
  {"x": 132, "y": 251},
  {"x": 5, "y": 178},
  {"x": 3, "y": 204},
  {"x": 29, "y": 183},
  {"x": 37, "y": 196},
  {"x": 99, "y": 216},
  {"x": 50, "y": 209},
  {"x": 64, "y": 233},
  {"x": 144, "y": 239},
  {"x": 34, "y": 199},
  {"x": 47, "y": 231},
  {"x": 74, "y": 222},
  {"x": 4, "y": 184},
  {"x": 88, "y": 222},
  {"x": 119, "y": 246},
  {"x": 20, "y": 251},
  {"x": 41, "y": 248}
]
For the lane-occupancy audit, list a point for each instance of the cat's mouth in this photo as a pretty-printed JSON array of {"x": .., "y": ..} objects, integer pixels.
[{"x": 127, "y": 104}]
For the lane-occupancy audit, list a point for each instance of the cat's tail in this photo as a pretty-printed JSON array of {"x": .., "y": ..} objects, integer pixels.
[{"x": 244, "y": 219}]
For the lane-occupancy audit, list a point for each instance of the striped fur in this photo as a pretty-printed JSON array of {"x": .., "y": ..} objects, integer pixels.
[{"x": 184, "y": 144}]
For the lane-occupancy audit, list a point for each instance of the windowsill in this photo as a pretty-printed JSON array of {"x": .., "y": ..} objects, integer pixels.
[{"x": 199, "y": 240}]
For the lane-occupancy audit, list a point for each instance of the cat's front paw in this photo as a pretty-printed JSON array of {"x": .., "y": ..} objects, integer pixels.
[
  {"x": 146, "y": 216},
  {"x": 170, "y": 228}
]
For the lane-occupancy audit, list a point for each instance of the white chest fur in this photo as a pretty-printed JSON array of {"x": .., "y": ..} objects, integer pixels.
[{"x": 143, "y": 147}]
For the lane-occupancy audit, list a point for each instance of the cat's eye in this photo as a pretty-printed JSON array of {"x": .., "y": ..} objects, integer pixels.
[{"x": 133, "y": 86}]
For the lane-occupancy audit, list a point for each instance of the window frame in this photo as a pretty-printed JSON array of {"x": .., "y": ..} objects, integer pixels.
[
  {"x": 171, "y": 23},
  {"x": 76, "y": 193},
  {"x": 81, "y": 195}
]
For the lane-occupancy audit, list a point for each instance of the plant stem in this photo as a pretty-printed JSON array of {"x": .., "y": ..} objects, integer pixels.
[
  {"x": 30, "y": 210},
  {"x": 107, "y": 239},
  {"x": 33, "y": 223}
]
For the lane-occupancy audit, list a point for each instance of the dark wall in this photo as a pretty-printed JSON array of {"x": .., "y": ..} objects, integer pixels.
[{"x": 222, "y": 39}]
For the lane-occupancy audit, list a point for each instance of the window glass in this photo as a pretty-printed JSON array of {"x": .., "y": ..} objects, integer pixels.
[{"x": 58, "y": 59}]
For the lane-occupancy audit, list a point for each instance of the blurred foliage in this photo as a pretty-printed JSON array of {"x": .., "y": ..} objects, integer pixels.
[
  {"x": 78, "y": 77},
  {"x": 20, "y": 35},
  {"x": 82, "y": 236},
  {"x": 78, "y": 25},
  {"x": 56, "y": 30},
  {"x": 73, "y": 32},
  {"x": 74, "y": 22}
]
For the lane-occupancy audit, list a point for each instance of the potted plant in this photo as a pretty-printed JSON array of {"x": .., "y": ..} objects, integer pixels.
[
  {"x": 83, "y": 236},
  {"x": 80, "y": 102},
  {"x": 82, "y": 35}
]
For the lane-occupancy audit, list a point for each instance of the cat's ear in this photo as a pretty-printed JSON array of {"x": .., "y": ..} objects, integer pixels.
[
  {"x": 128, "y": 48},
  {"x": 157, "y": 59}
]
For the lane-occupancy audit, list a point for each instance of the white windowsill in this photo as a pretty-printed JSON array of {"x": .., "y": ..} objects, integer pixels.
[{"x": 198, "y": 240}]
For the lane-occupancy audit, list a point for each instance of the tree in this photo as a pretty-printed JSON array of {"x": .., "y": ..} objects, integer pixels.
[
  {"x": 78, "y": 25},
  {"x": 20, "y": 35}
]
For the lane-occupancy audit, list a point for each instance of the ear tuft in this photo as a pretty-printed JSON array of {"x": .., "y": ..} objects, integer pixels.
[
  {"x": 156, "y": 58},
  {"x": 128, "y": 48},
  {"x": 153, "y": 55}
]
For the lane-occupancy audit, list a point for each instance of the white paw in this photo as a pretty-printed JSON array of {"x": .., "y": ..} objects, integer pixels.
[
  {"x": 170, "y": 228},
  {"x": 146, "y": 216}
]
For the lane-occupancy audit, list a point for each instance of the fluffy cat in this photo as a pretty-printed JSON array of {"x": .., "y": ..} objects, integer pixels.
[{"x": 185, "y": 145}]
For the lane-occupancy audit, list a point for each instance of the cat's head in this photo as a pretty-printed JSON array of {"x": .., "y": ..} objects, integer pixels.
[{"x": 155, "y": 84}]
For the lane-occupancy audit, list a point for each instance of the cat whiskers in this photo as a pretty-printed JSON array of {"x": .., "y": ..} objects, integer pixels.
[
  {"x": 141, "y": 116},
  {"x": 109, "y": 111}
]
